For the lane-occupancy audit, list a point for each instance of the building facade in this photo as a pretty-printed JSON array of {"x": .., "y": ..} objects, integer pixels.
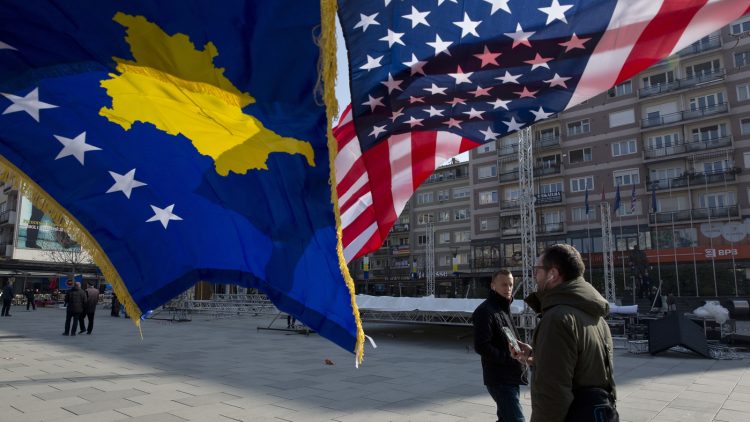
[{"x": 673, "y": 140}]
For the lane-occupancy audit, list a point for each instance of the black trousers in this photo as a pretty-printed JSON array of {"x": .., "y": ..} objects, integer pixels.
[
  {"x": 77, "y": 320},
  {"x": 30, "y": 302},
  {"x": 6, "y": 308},
  {"x": 90, "y": 316}
]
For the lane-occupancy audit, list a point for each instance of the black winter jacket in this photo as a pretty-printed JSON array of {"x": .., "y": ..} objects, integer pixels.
[
  {"x": 498, "y": 366},
  {"x": 76, "y": 300}
]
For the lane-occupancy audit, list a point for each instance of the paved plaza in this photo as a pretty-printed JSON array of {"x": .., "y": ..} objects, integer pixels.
[{"x": 227, "y": 370}]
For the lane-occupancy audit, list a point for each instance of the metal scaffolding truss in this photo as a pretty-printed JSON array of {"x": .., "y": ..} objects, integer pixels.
[
  {"x": 608, "y": 246},
  {"x": 222, "y": 305},
  {"x": 423, "y": 317},
  {"x": 527, "y": 200},
  {"x": 430, "y": 260}
]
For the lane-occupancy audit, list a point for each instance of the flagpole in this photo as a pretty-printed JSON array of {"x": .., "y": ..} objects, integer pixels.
[
  {"x": 622, "y": 252},
  {"x": 656, "y": 232}
]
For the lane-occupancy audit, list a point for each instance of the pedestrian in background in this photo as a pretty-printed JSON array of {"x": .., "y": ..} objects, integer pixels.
[
  {"x": 7, "y": 298},
  {"x": 29, "y": 293},
  {"x": 92, "y": 299},
  {"x": 502, "y": 374},
  {"x": 75, "y": 300}
]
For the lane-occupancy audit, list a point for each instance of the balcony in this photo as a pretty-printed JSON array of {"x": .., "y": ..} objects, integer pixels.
[
  {"x": 680, "y": 84},
  {"x": 510, "y": 204},
  {"x": 400, "y": 228},
  {"x": 549, "y": 198},
  {"x": 401, "y": 250},
  {"x": 8, "y": 216},
  {"x": 684, "y": 115},
  {"x": 548, "y": 169},
  {"x": 508, "y": 177},
  {"x": 683, "y": 147},
  {"x": 547, "y": 141},
  {"x": 696, "y": 179},
  {"x": 482, "y": 263},
  {"x": 714, "y": 41},
  {"x": 550, "y": 228},
  {"x": 507, "y": 150},
  {"x": 693, "y": 214}
]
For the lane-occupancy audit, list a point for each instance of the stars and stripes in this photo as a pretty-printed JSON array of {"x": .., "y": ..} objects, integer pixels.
[{"x": 447, "y": 84}]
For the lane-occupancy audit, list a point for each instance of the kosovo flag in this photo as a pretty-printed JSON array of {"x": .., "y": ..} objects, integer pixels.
[{"x": 179, "y": 142}]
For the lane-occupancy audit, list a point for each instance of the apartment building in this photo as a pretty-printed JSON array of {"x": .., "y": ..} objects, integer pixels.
[{"x": 673, "y": 140}]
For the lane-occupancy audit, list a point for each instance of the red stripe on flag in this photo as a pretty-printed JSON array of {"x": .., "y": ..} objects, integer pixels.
[
  {"x": 422, "y": 156},
  {"x": 360, "y": 224},
  {"x": 354, "y": 197},
  {"x": 378, "y": 162},
  {"x": 660, "y": 36}
]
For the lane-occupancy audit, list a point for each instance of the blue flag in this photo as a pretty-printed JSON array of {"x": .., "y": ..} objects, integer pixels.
[
  {"x": 180, "y": 142},
  {"x": 586, "y": 199},
  {"x": 617, "y": 200},
  {"x": 653, "y": 198}
]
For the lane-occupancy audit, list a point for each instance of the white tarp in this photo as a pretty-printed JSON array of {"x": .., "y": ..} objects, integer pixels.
[{"x": 425, "y": 304}]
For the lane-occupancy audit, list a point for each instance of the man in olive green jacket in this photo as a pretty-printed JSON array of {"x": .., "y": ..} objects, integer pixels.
[{"x": 572, "y": 345}]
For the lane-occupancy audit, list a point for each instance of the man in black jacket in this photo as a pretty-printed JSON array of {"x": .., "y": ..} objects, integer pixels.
[
  {"x": 75, "y": 300},
  {"x": 501, "y": 372}
]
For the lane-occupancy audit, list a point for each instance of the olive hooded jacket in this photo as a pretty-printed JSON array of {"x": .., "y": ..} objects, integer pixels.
[{"x": 571, "y": 343}]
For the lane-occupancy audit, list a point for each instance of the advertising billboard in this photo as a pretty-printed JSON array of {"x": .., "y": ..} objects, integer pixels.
[{"x": 37, "y": 231}]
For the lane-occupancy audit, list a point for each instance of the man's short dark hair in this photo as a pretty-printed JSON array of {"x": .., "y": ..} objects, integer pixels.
[
  {"x": 566, "y": 259},
  {"x": 501, "y": 272}
]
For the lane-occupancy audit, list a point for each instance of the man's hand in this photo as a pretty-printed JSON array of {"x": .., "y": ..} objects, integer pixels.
[{"x": 524, "y": 356}]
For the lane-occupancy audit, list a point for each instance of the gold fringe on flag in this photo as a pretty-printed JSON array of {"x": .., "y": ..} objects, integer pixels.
[
  {"x": 327, "y": 78},
  {"x": 13, "y": 176}
]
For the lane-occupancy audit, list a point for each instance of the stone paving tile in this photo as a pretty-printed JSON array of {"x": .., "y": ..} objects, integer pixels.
[
  {"x": 105, "y": 416},
  {"x": 201, "y": 400},
  {"x": 731, "y": 416},
  {"x": 156, "y": 417},
  {"x": 73, "y": 392},
  {"x": 628, "y": 414},
  {"x": 100, "y": 406},
  {"x": 112, "y": 395}
]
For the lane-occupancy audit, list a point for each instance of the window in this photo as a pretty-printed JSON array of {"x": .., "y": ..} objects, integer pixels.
[
  {"x": 625, "y": 88},
  {"x": 624, "y": 148},
  {"x": 462, "y": 258},
  {"x": 747, "y": 160},
  {"x": 706, "y": 101},
  {"x": 666, "y": 173},
  {"x": 485, "y": 148},
  {"x": 425, "y": 218},
  {"x": 512, "y": 194},
  {"x": 709, "y": 133},
  {"x": 459, "y": 193},
  {"x": 461, "y": 214},
  {"x": 658, "y": 79},
  {"x": 717, "y": 166},
  {"x": 579, "y": 127},
  {"x": 626, "y": 177},
  {"x": 443, "y": 195},
  {"x": 486, "y": 172},
  {"x": 622, "y": 118},
  {"x": 742, "y": 59},
  {"x": 580, "y": 184},
  {"x": 662, "y": 141},
  {"x": 740, "y": 27},
  {"x": 489, "y": 197},
  {"x": 444, "y": 237},
  {"x": 424, "y": 197},
  {"x": 701, "y": 69},
  {"x": 717, "y": 199},
  {"x": 745, "y": 126},
  {"x": 625, "y": 207},
  {"x": 462, "y": 236},
  {"x": 579, "y": 155},
  {"x": 578, "y": 214},
  {"x": 423, "y": 239},
  {"x": 549, "y": 133},
  {"x": 743, "y": 92},
  {"x": 551, "y": 187},
  {"x": 444, "y": 216},
  {"x": 404, "y": 241},
  {"x": 488, "y": 223}
]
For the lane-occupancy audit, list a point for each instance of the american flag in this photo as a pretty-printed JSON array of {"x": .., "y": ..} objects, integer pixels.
[{"x": 431, "y": 79}]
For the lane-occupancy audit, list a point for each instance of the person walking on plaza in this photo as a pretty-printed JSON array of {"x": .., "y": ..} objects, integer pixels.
[
  {"x": 75, "y": 300},
  {"x": 502, "y": 374},
  {"x": 572, "y": 377},
  {"x": 29, "y": 293},
  {"x": 115, "y": 312},
  {"x": 92, "y": 299},
  {"x": 671, "y": 303},
  {"x": 7, "y": 298}
]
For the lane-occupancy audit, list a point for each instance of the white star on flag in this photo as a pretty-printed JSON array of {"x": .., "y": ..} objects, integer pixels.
[
  {"x": 489, "y": 135},
  {"x": 539, "y": 61},
  {"x": 373, "y": 102},
  {"x": 498, "y": 5},
  {"x": 479, "y": 92},
  {"x": 365, "y": 21},
  {"x": 513, "y": 125},
  {"x": 396, "y": 114},
  {"x": 377, "y": 130},
  {"x": 163, "y": 215},
  {"x": 413, "y": 121},
  {"x": 488, "y": 57},
  {"x": 520, "y": 37},
  {"x": 574, "y": 42},
  {"x": 555, "y": 11},
  {"x": 499, "y": 103},
  {"x": 76, "y": 147},
  {"x": 435, "y": 90},
  {"x": 125, "y": 183},
  {"x": 525, "y": 93},
  {"x": 540, "y": 114},
  {"x": 434, "y": 111},
  {"x": 453, "y": 123},
  {"x": 440, "y": 46},
  {"x": 392, "y": 83},
  {"x": 474, "y": 114},
  {"x": 461, "y": 77},
  {"x": 393, "y": 38},
  {"x": 415, "y": 65},
  {"x": 508, "y": 78},
  {"x": 4, "y": 46},
  {"x": 30, "y": 104},
  {"x": 416, "y": 17},
  {"x": 372, "y": 63},
  {"x": 557, "y": 80},
  {"x": 468, "y": 26}
]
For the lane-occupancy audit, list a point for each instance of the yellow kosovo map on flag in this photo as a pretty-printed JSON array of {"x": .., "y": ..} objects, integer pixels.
[{"x": 181, "y": 142}]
